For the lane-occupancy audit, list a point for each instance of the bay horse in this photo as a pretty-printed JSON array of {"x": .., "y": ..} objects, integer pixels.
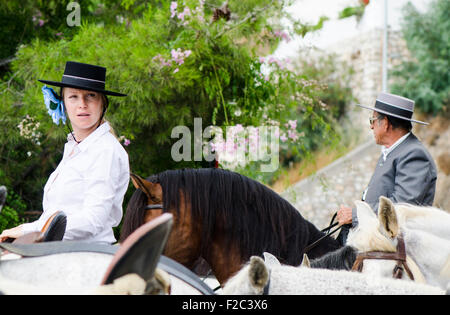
[{"x": 223, "y": 217}]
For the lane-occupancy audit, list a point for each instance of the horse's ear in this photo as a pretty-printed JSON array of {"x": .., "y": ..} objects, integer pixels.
[
  {"x": 136, "y": 180},
  {"x": 149, "y": 188},
  {"x": 387, "y": 216},
  {"x": 305, "y": 262},
  {"x": 270, "y": 260},
  {"x": 258, "y": 273},
  {"x": 365, "y": 213}
]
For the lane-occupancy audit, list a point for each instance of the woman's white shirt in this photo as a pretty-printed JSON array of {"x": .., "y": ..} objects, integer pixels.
[{"x": 88, "y": 185}]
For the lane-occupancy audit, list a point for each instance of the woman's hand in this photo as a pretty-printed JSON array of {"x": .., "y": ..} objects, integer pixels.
[{"x": 11, "y": 233}]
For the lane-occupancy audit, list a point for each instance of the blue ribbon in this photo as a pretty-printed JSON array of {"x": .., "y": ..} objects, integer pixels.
[{"x": 54, "y": 105}]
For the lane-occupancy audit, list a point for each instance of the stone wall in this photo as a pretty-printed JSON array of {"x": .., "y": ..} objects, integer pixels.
[
  {"x": 436, "y": 137},
  {"x": 364, "y": 53}
]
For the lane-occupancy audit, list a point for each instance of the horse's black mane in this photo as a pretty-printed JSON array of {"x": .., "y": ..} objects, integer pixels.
[
  {"x": 248, "y": 214},
  {"x": 341, "y": 259}
]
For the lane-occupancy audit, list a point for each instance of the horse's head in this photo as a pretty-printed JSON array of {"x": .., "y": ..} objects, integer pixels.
[
  {"x": 250, "y": 280},
  {"x": 183, "y": 244},
  {"x": 375, "y": 233},
  {"x": 153, "y": 191},
  {"x": 378, "y": 234}
]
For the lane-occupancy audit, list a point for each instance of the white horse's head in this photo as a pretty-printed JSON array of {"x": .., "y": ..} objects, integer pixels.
[
  {"x": 375, "y": 233},
  {"x": 379, "y": 233},
  {"x": 250, "y": 280}
]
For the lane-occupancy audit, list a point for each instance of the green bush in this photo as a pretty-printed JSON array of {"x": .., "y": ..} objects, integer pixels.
[
  {"x": 173, "y": 68},
  {"x": 426, "y": 78},
  {"x": 11, "y": 212}
]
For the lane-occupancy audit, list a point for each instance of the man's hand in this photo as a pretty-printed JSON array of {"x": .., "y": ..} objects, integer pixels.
[{"x": 344, "y": 215}]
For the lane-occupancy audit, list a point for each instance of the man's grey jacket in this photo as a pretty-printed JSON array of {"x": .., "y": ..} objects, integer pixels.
[{"x": 408, "y": 175}]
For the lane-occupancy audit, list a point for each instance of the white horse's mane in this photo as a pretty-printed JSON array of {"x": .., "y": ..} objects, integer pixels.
[{"x": 429, "y": 219}]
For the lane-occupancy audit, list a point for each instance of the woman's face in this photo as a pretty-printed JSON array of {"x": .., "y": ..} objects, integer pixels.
[{"x": 84, "y": 109}]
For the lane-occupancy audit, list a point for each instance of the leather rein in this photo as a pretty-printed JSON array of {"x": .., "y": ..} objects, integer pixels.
[
  {"x": 327, "y": 231},
  {"x": 399, "y": 256}
]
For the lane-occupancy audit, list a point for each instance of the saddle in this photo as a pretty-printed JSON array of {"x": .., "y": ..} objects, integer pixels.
[{"x": 53, "y": 230}]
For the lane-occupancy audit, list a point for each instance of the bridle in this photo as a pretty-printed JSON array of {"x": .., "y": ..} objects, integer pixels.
[
  {"x": 153, "y": 207},
  {"x": 399, "y": 256}
]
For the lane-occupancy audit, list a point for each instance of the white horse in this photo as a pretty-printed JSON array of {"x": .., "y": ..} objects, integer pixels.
[
  {"x": 85, "y": 268},
  {"x": 426, "y": 233},
  {"x": 81, "y": 273},
  {"x": 259, "y": 276}
]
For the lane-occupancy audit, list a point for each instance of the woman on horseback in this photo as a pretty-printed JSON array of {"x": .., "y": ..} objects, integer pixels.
[{"x": 90, "y": 182}]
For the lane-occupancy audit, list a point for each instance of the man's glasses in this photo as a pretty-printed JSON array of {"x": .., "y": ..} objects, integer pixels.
[{"x": 372, "y": 119}]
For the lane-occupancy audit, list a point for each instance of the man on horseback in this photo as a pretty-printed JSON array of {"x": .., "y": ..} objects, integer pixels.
[{"x": 405, "y": 171}]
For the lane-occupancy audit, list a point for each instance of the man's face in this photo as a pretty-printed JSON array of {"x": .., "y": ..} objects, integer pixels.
[{"x": 379, "y": 128}]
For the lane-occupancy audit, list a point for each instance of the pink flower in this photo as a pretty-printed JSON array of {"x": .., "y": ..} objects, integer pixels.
[
  {"x": 173, "y": 8},
  {"x": 286, "y": 37},
  {"x": 282, "y": 34},
  {"x": 126, "y": 142},
  {"x": 186, "y": 12},
  {"x": 176, "y": 70},
  {"x": 292, "y": 124},
  {"x": 283, "y": 137},
  {"x": 218, "y": 147},
  {"x": 292, "y": 134},
  {"x": 239, "y": 128},
  {"x": 277, "y": 132},
  {"x": 280, "y": 64}
]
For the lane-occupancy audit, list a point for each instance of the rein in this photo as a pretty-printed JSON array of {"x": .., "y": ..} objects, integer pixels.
[
  {"x": 327, "y": 233},
  {"x": 399, "y": 256}
]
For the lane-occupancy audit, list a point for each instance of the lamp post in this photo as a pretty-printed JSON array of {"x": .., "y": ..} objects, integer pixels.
[{"x": 385, "y": 49}]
